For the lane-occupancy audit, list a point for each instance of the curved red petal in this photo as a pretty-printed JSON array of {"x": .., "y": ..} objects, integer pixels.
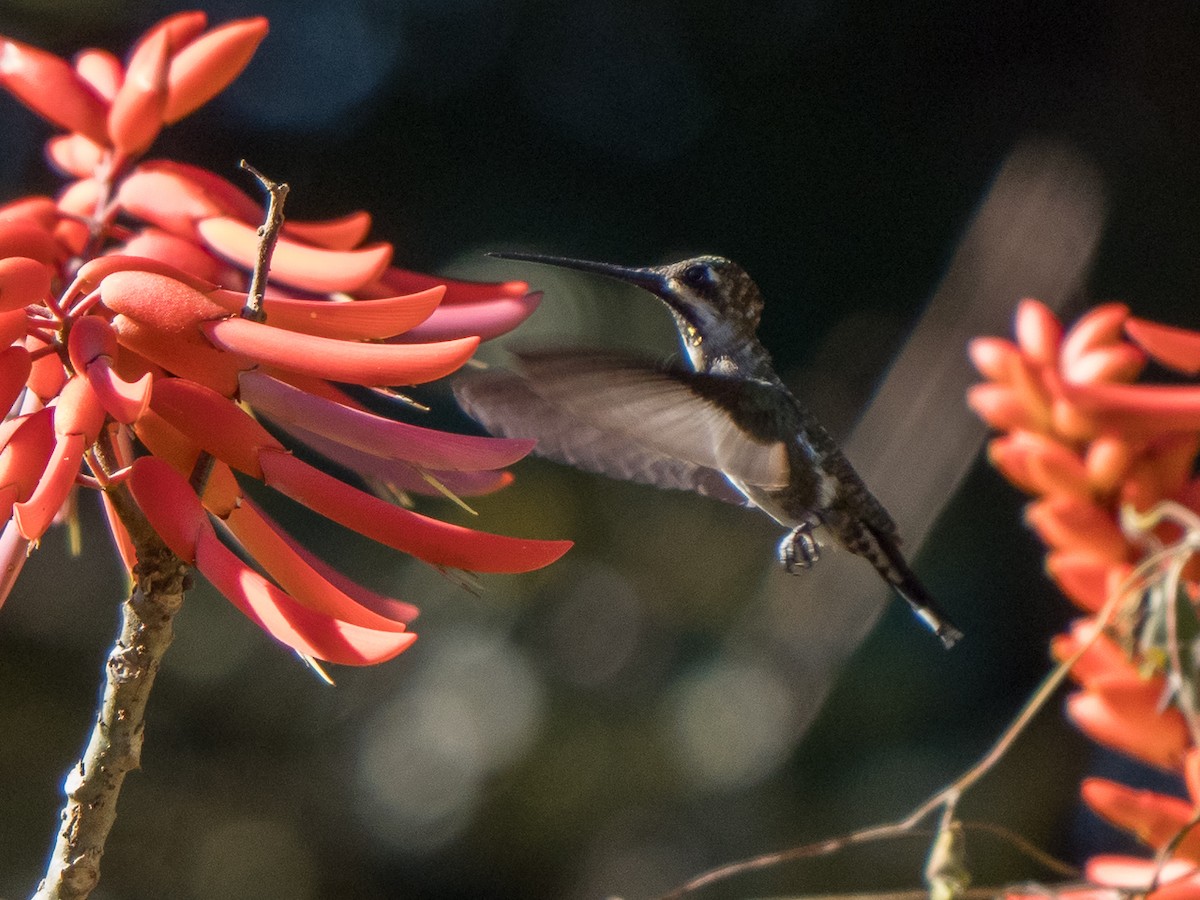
[
  {"x": 170, "y": 505},
  {"x": 436, "y": 542},
  {"x": 1154, "y": 818},
  {"x": 1168, "y": 408},
  {"x": 74, "y": 154},
  {"x": 308, "y": 268},
  {"x": 188, "y": 355},
  {"x": 333, "y": 234},
  {"x": 51, "y": 88},
  {"x": 15, "y": 366},
  {"x": 213, "y": 422},
  {"x": 377, "y": 435},
  {"x": 1176, "y": 348},
  {"x": 1039, "y": 332},
  {"x": 402, "y": 281},
  {"x": 23, "y": 282},
  {"x": 350, "y": 320},
  {"x": 101, "y": 70},
  {"x": 488, "y": 319},
  {"x": 136, "y": 114},
  {"x": 161, "y": 302},
  {"x": 1099, "y": 327},
  {"x": 334, "y": 360},
  {"x": 262, "y": 540},
  {"x": 35, "y": 515},
  {"x": 207, "y": 65}
]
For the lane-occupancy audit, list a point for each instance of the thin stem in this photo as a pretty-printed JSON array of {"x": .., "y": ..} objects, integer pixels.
[
  {"x": 268, "y": 234},
  {"x": 93, "y": 784}
]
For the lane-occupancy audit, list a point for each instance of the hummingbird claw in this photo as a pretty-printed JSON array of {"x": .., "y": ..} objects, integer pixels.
[{"x": 799, "y": 549}]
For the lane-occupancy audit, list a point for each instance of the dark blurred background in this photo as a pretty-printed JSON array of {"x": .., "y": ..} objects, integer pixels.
[{"x": 580, "y": 732}]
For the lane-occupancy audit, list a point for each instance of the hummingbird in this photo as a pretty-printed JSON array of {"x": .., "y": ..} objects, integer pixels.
[{"x": 724, "y": 425}]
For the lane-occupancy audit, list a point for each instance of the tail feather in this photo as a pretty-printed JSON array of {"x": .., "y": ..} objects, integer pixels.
[{"x": 881, "y": 550}]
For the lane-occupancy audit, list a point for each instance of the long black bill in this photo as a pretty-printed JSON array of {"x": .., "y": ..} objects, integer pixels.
[{"x": 648, "y": 279}]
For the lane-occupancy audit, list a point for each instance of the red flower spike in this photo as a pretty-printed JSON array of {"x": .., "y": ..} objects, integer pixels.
[
  {"x": 1039, "y": 333},
  {"x": 214, "y": 423},
  {"x": 345, "y": 233},
  {"x": 487, "y": 320},
  {"x": 161, "y": 302},
  {"x": 1070, "y": 523},
  {"x": 1153, "y": 818},
  {"x": 358, "y": 320},
  {"x": 136, "y": 115},
  {"x": 375, "y": 434},
  {"x": 439, "y": 543},
  {"x": 334, "y": 360},
  {"x": 1175, "y": 348},
  {"x": 1099, "y": 327},
  {"x": 308, "y": 268},
  {"x": 51, "y": 88},
  {"x": 188, "y": 355},
  {"x": 207, "y": 65},
  {"x": 263, "y": 542},
  {"x": 101, "y": 70},
  {"x": 23, "y": 282}
]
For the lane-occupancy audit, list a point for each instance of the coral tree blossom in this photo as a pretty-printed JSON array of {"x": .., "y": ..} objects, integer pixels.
[
  {"x": 1097, "y": 448},
  {"x": 127, "y": 358}
]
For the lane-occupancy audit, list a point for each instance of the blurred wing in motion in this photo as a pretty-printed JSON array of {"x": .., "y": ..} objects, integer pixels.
[{"x": 583, "y": 413}]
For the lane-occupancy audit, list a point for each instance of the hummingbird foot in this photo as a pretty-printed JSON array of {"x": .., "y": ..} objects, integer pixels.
[{"x": 799, "y": 549}]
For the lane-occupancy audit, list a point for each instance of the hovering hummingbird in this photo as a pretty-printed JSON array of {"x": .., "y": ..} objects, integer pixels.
[{"x": 727, "y": 427}]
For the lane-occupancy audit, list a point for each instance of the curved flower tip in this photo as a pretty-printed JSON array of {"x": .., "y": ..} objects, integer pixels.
[
  {"x": 302, "y": 266},
  {"x": 1175, "y": 348},
  {"x": 1178, "y": 879},
  {"x": 207, "y": 65},
  {"x": 346, "y": 361},
  {"x": 1127, "y": 717},
  {"x": 1066, "y": 522},
  {"x": 51, "y": 88},
  {"x": 135, "y": 117},
  {"x": 176, "y": 514},
  {"x": 1155, "y": 819},
  {"x": 23, "y": 282},
  {"x": 1098, "y": 328},
  {"x": 1039, "y": 332}
]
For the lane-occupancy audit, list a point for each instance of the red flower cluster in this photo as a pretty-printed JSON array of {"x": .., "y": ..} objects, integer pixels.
[
  {"x": 1100, "y": 453},
  {"x": 126, "y": 357}
]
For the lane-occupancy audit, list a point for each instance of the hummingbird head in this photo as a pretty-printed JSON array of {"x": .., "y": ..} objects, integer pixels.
[{"x": 715, "y": 303}]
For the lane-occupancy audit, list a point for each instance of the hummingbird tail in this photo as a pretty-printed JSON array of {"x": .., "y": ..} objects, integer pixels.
[{"x": 883, "y": 553}]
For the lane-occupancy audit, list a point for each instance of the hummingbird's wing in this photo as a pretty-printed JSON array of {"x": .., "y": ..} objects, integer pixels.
[
  {"x": 505, "y": 404},
  {"x": 676, "y": 413}
]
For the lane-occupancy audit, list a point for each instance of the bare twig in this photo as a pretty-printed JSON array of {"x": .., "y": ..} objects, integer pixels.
[
  {"x": 268, "y": 234},
  {"x": 114, "y": 749}
]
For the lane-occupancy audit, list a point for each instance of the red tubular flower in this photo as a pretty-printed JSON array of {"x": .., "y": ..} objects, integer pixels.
[
  {"x": 1088, "y": 442},
  {"x": 120, "y": 319}
]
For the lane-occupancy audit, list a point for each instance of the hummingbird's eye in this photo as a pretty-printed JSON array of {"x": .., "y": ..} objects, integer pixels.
[{"x": 697, "y": 276}]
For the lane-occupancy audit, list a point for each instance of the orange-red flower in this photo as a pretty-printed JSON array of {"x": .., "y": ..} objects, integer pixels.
[
  {"x": 126, "y": 355},
  {"x": 1089, "y": 443}
]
